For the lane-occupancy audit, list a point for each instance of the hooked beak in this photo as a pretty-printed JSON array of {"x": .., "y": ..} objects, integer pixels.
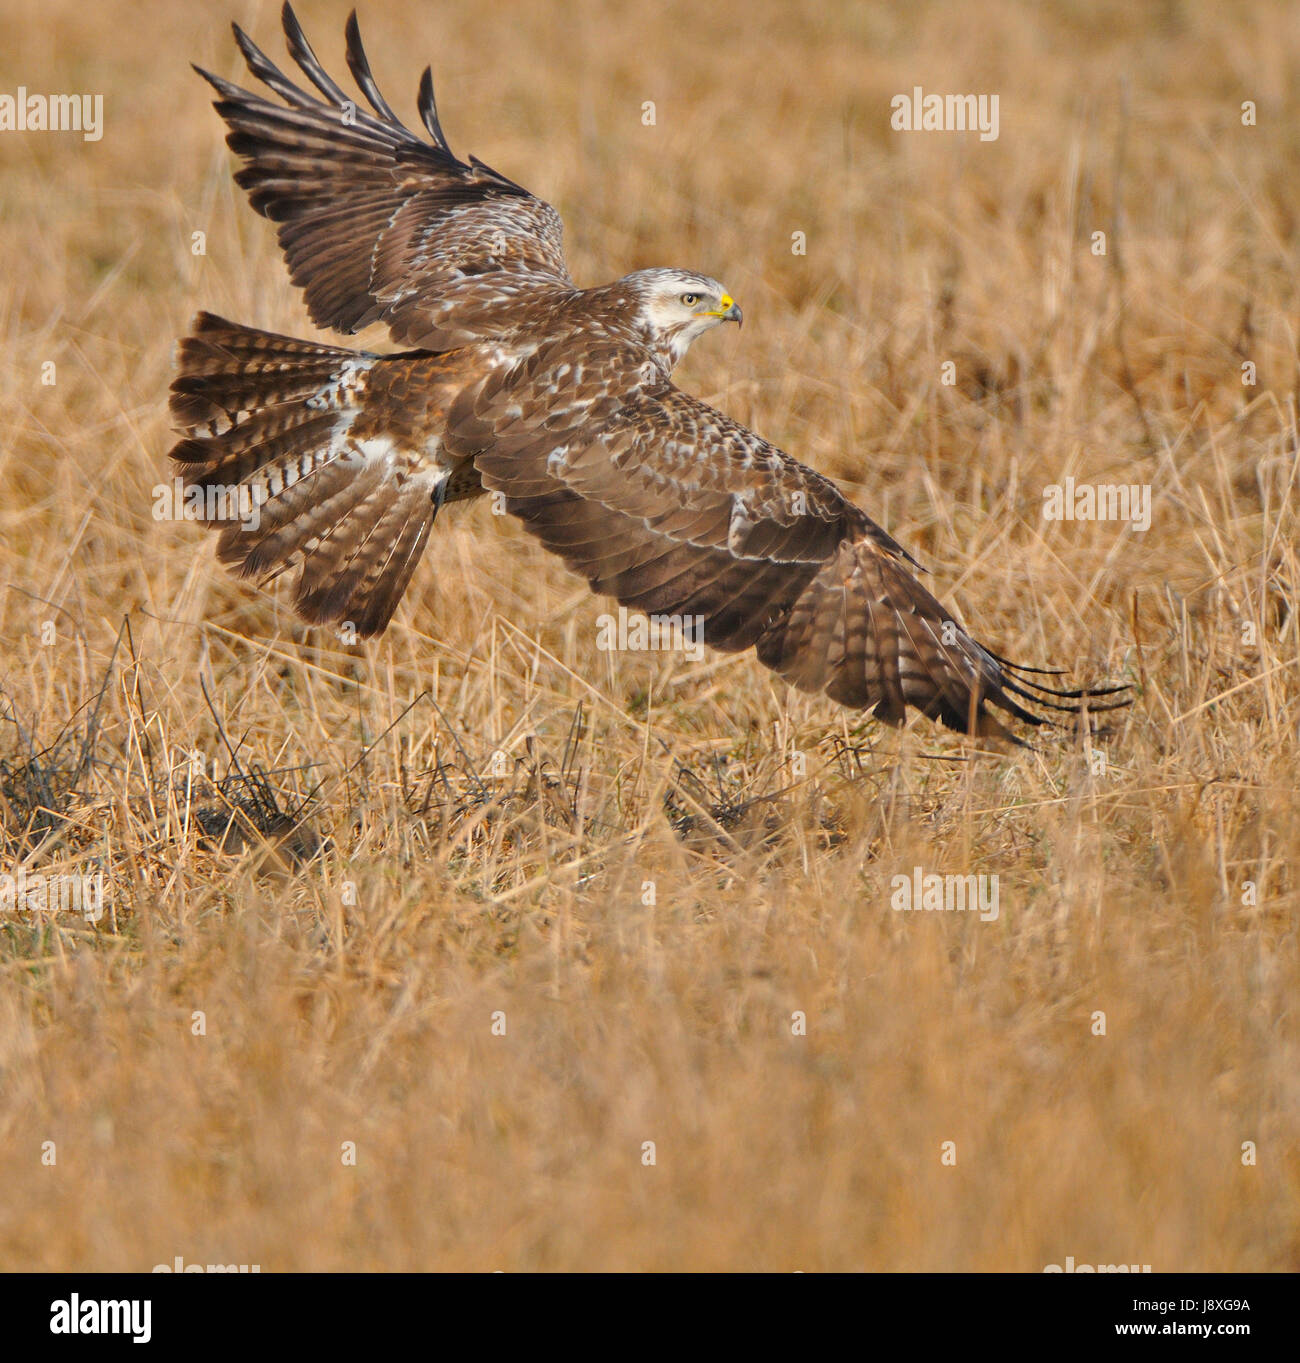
[{"x": 727, "y": 311}]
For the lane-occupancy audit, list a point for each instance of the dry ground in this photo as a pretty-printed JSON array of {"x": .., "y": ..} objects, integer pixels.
[{"x": 348, "y": 980}]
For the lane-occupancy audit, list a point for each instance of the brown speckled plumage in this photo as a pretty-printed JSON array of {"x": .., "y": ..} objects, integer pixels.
[{"x": 515, "y": 381}]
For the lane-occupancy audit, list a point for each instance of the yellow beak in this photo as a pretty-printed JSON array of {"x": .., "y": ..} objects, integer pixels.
[{"x": 728, "y": 310}]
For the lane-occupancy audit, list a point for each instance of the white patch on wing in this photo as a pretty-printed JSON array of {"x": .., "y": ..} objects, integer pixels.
[
  {"x": 739, "y": 527},
  {"x": 378, "y": 449}
]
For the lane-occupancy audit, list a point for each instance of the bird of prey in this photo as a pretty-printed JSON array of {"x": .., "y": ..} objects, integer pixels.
[{"x": 559, "y": 400}]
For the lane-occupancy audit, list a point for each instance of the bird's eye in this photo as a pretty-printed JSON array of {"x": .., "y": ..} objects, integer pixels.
[{"x": 689, "y": 300}]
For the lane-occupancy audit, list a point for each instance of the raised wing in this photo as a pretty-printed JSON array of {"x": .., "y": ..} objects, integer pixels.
[
  {"x": 377, "y": 224},
  {"x": 676, "y": 510}
]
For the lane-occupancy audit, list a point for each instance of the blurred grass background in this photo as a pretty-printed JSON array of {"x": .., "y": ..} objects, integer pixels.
[{"x": 385, "y": 894}]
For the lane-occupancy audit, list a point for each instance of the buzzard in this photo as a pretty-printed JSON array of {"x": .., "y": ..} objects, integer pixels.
[{"x": 559, "y": 400}]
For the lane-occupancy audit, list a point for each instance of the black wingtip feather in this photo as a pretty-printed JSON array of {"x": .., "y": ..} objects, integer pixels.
[
  {"x": 428, "y": 105},
  {"x": 261, "y": 66},
  {"x": 1075, "y": 693},
  {"x": 1022, "y": 667},
  {"x": 301, "y": 51},
  {"x": 359, "y": 65},
  {"x": 215, "y": 81},
  {"x": 1009, "y": 684}
]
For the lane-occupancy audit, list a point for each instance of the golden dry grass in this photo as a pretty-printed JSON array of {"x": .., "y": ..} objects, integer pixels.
[{"x": 328, "y": 1022}]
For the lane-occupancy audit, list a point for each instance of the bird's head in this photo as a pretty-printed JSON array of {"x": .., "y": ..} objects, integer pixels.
[{"x": 676, "y": 306}]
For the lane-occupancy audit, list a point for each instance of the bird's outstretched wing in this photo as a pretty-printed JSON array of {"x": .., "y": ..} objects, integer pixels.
[
  {"x": 677, "y": 510},
  {"x": 376, "y": 224}
]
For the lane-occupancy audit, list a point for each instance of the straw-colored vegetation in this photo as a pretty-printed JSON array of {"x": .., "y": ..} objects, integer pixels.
[{"x": 670, "y": 861}]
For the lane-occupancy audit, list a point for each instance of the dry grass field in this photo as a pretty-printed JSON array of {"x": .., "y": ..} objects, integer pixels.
[{"x": 641, "y": 867}]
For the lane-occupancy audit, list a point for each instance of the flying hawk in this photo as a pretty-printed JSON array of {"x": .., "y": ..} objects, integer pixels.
[{"x": 514, "y": 381}]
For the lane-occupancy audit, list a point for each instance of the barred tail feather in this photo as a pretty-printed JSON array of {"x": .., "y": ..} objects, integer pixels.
[{"x": 270, "y": 455}]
